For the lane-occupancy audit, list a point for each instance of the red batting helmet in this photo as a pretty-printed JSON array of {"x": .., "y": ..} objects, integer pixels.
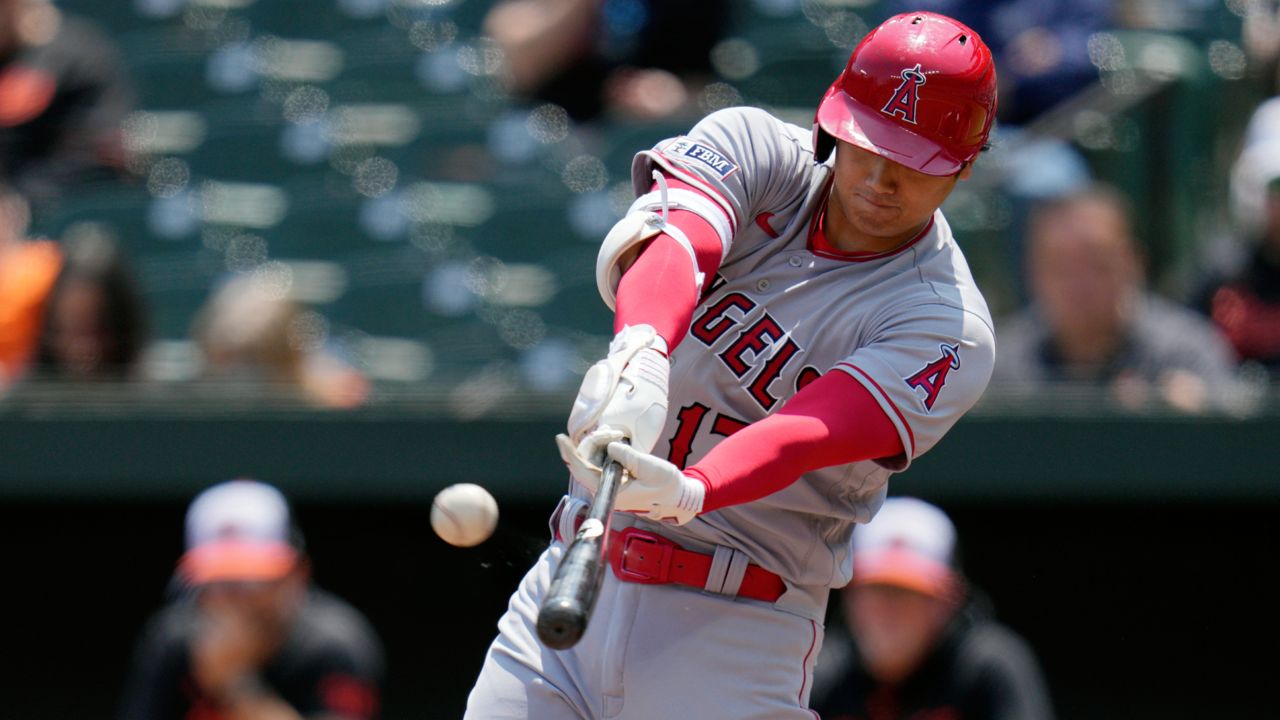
[{"x": 920, "y": 90}]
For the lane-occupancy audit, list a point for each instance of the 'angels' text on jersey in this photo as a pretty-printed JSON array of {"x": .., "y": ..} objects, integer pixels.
[{"x": 762, "y": 344}]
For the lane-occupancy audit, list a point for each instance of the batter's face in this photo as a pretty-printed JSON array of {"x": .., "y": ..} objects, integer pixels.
[
  {"x": 895, "y": 628},
  {"x": 877, "y": 204}
]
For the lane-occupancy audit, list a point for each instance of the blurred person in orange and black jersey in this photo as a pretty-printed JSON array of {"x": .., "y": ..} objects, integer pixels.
[
  {"x": 94, "y": 319},
  {"x": 252, "y": 638},
  {"x": 63, "y": 97},
  {"x": 921, "y": 642},
  {"x": 28, "y": 269},
  {"x": 643, "y": 59},
  {"x": 1092, "y": 322},
  {"x": 1246, "y": 303}
]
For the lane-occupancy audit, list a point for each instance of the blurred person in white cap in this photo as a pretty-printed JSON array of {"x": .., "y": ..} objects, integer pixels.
[
  {"x": 1245, "y": 302},
  {"x": 251, "y": 638},
  {"x": 921, "y": 643}
]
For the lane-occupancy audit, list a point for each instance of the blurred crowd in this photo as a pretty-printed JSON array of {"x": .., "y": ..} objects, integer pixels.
[
  {"x": 244, "y": 633},
  {"x": 1093, "y": 290}
]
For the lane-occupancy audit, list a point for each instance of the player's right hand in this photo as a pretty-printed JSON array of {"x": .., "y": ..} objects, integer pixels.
[
  {"x": 625, "y": 392},
  {"x": 656, "y": 488}
]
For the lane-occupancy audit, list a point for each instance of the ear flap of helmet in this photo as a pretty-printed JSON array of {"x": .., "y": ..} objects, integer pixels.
[{"x": 823, "y": 144}]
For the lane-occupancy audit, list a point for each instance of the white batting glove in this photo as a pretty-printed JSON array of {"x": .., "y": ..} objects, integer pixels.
[
  {"x": 625, "y": 392},
  {"x": 585, "y": 469},
  {"x": 656, "y": 488}
]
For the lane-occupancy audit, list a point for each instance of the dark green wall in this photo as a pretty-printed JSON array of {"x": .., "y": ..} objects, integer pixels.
[
  {"x": 393, "y": 455},
  {"x": 1132, "y": 553}
]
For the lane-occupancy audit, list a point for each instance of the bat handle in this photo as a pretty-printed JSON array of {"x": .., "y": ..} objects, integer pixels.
[{"x": 564, "y": 614}]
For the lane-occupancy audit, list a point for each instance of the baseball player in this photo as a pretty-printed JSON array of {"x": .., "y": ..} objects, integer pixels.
[{"x": 795, "y": 323}]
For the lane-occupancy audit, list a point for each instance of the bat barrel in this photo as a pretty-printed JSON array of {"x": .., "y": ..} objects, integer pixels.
[{"x": 561, "y": 624}]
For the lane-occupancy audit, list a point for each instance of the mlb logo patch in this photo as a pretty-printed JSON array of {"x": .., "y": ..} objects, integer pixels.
[{"x": 682, "y": 149}]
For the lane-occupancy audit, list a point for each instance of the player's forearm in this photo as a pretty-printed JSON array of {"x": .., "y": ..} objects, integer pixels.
[
  {"x": 657, "y": 289},
  {"x": 833, "y": 421}
]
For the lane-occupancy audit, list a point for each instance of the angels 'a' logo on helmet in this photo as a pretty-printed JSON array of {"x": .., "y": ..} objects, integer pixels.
[{"x": 904, "y": 99}]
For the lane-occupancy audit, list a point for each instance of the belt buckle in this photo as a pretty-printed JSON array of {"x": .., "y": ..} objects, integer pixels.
[{"x": 641, "y": 550}]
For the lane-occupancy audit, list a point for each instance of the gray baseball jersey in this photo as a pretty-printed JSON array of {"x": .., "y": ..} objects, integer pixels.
[{"x": 910, "y": 325}]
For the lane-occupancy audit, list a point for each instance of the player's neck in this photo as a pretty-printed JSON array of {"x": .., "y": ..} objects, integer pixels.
[{"x": 844, "y": 236}]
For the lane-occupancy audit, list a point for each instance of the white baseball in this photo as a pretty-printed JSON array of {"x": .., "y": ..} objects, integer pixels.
[{"x": 464, "y": 514}]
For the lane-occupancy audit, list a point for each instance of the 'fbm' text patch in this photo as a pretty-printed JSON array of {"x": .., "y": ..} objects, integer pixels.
[{"x": 683, "y": 147}]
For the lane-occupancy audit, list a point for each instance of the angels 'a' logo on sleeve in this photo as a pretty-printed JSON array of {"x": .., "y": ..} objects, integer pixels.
[{"x": 930, "y": 378}]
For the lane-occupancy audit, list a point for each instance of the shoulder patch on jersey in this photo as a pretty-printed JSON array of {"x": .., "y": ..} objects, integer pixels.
[{"x": 684, "y": 150}]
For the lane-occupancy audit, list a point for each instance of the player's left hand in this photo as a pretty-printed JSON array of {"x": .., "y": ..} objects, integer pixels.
[
  {"x": 656, "y": 489},
  {"x": 626, "y": 391},
  {"x": 586, "y": 458}
]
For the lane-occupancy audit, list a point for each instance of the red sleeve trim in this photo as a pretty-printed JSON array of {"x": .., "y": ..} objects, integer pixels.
[
  {"x": 698, "y": 185},
  {"x": 888, "y": 401}
]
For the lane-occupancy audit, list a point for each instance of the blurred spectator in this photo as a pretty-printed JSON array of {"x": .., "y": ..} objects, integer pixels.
[
  {"x": 639, "y": 58},
  {"x": 1260, "y": 31},
  {"x": 250, "y": 330},
  {"x": 1246, "y": 305},
  {"x": 63, "y": 97},
  {"x": 1092, "y": 321},
  {"x": 28, "y": 269},
  {"x": 252, "y": 638},
  {"x": 924, "y": 644},
  {"x": 1255, "y": 167},
  {"x": 94, "y": 320},
  {"x": 1041, "y": 47}
]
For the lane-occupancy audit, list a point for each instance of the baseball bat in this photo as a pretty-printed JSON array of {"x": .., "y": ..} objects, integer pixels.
[{"x": 566, "y": 610}]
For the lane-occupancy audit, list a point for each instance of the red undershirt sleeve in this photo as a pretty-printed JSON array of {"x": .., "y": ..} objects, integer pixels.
[
  {"x": 834, "y": 420},
  {"x": 658, "y": 288}
]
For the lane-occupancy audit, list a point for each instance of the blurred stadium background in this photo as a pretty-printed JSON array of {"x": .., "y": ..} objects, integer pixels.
[{"x": 364, "y": 155}]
